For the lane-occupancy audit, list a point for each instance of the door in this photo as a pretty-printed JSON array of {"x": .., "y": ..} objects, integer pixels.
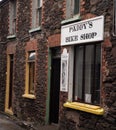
[{"x": 55, "y": 90}]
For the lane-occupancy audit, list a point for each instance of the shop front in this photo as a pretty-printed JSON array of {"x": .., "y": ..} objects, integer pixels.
[{"x": 81, "y": 72}]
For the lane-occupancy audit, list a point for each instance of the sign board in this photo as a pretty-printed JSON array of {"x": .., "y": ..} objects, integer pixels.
[
  {"x": 89, "y": 30},
  {"x": 64, "y": 71}
]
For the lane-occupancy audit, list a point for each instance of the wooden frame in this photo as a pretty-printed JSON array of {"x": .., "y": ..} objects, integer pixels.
[
  {"x": 27, "y": 93},
  {"x": 7, "y": 109}
]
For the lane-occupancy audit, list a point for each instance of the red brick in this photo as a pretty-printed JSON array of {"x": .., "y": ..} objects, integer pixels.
[{"x": 54, "y": 40}]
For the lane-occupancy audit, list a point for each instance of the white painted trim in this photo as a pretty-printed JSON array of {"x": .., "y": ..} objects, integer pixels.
[
  {"x": 11, "y": 36},
  {"x": 75, "y": 18},
  {"x": 71, "y": 67},
  {"x": 35, "y": 29}
]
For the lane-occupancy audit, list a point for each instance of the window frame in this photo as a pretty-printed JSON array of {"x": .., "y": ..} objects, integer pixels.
[
  {"x": 9, "y": 81},
  {"x": 28, "y": 92}
]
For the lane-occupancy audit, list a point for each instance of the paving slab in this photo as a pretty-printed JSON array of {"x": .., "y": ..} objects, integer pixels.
[
  {"x": 48, "y": 127},
  {"x": 7, "y": 123}
]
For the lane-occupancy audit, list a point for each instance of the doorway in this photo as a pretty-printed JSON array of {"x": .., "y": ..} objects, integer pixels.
[{"x": 55, "y": 86}]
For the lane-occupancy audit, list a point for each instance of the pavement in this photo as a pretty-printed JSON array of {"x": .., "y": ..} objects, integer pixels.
[{"x": 7, "y": 123}]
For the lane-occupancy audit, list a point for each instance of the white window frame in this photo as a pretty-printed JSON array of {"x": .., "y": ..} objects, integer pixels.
[{"x": 71, "y": 75}]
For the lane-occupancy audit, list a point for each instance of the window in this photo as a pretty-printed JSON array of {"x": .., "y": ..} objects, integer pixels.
[
  {"x": 31, "y": 67},
  {"x": 12, "y": 17},
  {"x": 87, "y": 62},
  {"x": 114, "y": 17},
  {"x": 76, "y": 7},
  {"x": 30, "y": 76},
  {"x": 36, "y": 13},
  {"x": 72, "y": 8}
]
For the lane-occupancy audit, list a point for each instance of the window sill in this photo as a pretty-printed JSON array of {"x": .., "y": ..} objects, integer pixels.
[
  {"x": 11, "y": 36},
  {"x": 30, "y": 96},
  {"x": 35, "y": 29},
  {"x": 75, "y": 18},
  {"x": 85, "y": 107}
]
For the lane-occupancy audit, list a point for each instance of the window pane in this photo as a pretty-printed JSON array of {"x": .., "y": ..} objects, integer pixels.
[
  {"x": 14, "y": 9},
  {"x": 78, "y": 73},
  {"x": 39, "y": 16},
  {"x": 89, "y": 63},
  {"x": 31, "y": 56},
  {"x": 12, "y": 17},
  {"x": 31, "y": 77},
  {"x": 39, "y": 12},
  {"x": 39, "y": 3},
  {"x": 11, "y": 80},
  {"x": 87, "y": 73},
  {"x": 36, "y": 13},
  {"x": 76, "y": 6},
  {"x": 96, "y": 99}
]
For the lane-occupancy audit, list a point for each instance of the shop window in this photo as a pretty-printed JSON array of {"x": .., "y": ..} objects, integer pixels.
[
  {"x": 12, "y": 17},
  {"x": 36, "y": 13},
  {"x": 114, "y": 17},
  {"x": 87, "y": 62},
  {"x": 30, "y": 76},
  {"x": 72, "y": 8}
]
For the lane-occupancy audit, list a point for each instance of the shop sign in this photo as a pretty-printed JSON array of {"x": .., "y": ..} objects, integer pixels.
[
  {"x": 64, "y": 71},
  {"x": 90, "y": 30}
]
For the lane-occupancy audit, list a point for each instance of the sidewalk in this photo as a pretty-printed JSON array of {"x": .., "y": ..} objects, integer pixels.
[
  {"x": 9, "y": 123},
  {"x": 48, "y": 127}
]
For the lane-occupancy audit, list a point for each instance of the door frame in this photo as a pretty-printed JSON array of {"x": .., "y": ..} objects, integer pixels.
[
  {"x": 48, "y": 87},
  {"x": 7, "y": 96},
  {"x": 50, "y": 54}
]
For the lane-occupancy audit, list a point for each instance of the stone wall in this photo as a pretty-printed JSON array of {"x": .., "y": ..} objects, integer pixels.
[
  {"x": 3, "y": 42},
  {"x": 24, "y": 108},
  {"x": 53, "y": 14},
  {"x": 76, "y": 120}
]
